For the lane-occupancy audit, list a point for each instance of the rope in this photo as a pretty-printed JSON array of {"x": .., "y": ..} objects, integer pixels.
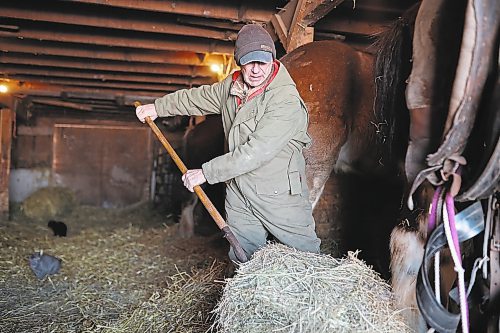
[
  {"x": 452, "y": 238},
  {"x": 437, "y": 282},
  {"x": 431, "y": 225},
  {"x": 478, "y": 263},
  {"x": 433, "y": 213},
  {"x": 487, "y": 230}
]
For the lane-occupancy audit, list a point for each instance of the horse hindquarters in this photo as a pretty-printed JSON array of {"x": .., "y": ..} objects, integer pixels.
[{"x": 334, "y": 80}]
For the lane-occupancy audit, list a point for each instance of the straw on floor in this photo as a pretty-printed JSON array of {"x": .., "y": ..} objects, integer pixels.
[
  {"x": 285, "y": 290},
  {"x": 122, "y": 271}
]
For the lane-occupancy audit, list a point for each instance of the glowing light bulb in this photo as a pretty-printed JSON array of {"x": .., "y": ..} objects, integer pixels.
[
  {"x": 3, "y": 88},
  {"x": 216, "y": 68}
]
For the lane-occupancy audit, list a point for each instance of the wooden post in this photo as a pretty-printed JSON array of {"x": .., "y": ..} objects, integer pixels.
[
  {"x": 6, "y": 121},
  {"x": 293, "y": 24}
]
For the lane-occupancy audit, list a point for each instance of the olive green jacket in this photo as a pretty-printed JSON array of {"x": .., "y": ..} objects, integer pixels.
[{"x": 265, "y": 135}]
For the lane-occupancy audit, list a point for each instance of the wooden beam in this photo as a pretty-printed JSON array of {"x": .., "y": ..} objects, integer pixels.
[
  {"x": 204, "y": 22},
  {"x": 119, "y": 99},
  {"x": 390, "y": 10},
  {"x": 38, "y": 88},
  {"x": 298, "y": 34},
  {"x": 103, "y": 65},
  {"x": 222, "y": 9},
  {"x": 63, "y": 104},
  {"x": 134, "y": 21},
  {"x": 9, "y": 28},
  {"x": 101, "y": 76},
  {"x": 131, "y": 99},
  {"x": 282, "y": 20},
  {"x": 32, "y": 46},
  {"x": 83, "y": 105},
  {"x": 292, "y": 23},
  {"x": 307, "y": 13},
  {"x": 90, "y": 97},
  {"x": 110, "y": 37},
  {"x": 24, "y": 89},
  {"x": 6, "y": 122},
  {"x": 314, "y": 10},
  {"x": 280, "y": 28},
  {"x": 351, "y": 26},
  {"x": 37, "y": 108},
  {"x": 126, "y": 86}
]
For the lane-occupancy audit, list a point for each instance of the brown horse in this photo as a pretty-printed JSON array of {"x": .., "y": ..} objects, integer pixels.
[
  {"x": 337, "y": 84},
  {"x": 364, "y": 133},
  {"x": 354, "y": 183}
]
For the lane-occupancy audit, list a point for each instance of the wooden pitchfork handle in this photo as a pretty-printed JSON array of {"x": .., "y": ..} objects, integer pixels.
[{"x": 219, "y": 220}]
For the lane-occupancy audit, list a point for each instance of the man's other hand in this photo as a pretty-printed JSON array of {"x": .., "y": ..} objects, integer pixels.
[
  {"x": 147, "y": 110},
  {"x": 192, "y": 178}
]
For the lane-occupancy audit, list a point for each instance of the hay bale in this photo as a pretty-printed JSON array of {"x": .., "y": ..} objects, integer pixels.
[
  {"x": 48, "y": 203},
  {"x": 285, "y": 290}
]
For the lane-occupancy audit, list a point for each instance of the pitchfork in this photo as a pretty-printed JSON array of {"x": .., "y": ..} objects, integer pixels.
[{"x": 219, "y": 220}]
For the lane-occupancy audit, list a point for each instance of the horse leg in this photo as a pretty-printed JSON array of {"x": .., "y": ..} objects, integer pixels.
[
  {"x": 186, "y": 222},
  {"x": 407, "y": 251},
  {"x": 321, "y": 157}
]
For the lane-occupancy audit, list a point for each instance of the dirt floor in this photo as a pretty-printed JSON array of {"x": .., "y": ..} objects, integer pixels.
[{"x": 122, "y": 271}]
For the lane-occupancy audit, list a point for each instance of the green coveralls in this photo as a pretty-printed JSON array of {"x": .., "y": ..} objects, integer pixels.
[{"x": 264, "y": 169}]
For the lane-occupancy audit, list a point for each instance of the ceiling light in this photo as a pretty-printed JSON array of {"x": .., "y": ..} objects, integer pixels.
[
  {"x": 216, "y": 68},
  {"x": 3, "y": 88}
]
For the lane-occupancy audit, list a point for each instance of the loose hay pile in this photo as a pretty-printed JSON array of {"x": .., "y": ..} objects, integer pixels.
[
  {"x": 48, "y": 203},
  {"x": 115, "y": 277},
  {"x": 284, "y": 290},
  {"x": 183, "y": 306}
]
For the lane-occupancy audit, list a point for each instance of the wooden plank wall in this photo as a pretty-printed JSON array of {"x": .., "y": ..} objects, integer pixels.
[
  {"x": 124, "y": 149},
  {"x": 6, "y": 123},
  {"x": 106, "y": 166}
]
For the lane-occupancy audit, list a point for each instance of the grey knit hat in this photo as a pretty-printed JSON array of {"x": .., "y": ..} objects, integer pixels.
[{"x": 254, "y": 44}]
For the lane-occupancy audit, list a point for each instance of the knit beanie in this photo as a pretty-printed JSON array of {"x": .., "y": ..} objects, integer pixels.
[{"x": 255, "y": 43}]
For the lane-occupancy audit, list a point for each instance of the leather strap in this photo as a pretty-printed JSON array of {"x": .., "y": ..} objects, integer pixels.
[{"x": 433, "y": 312}]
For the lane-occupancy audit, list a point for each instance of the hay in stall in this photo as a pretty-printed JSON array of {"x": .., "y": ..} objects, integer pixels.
[
  {"x": 121, "y": 272},
  {"x": 285, "y": 290},
  {"x": 49, "y": 203}
]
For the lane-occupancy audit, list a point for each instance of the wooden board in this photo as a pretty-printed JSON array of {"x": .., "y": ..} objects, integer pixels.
[
  {"x": 6, "y": 121},
  {"x": 107, "y": 166}
]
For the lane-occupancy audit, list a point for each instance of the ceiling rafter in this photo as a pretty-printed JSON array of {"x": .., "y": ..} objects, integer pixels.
[
  {"x": 127, "y": 49},
  {"x": 103, "y": 65},
  {"x": 45, "y": 47},
  {"x": 102, "y": 76},
  {"x": 39, "y": 12},
  {"x": 292, "y": 23},
  {"x": 151, "y": 87},
  {"x": 221, "y": 9},
  {"x": 39, "y": 89},
  {"x": 350, "y": 26},
  {"x": 69, "y": 105},
  {"x": 110, "y": 37}
]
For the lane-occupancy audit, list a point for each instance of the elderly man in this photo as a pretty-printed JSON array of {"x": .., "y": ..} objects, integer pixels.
[{"x": 265, "y": 125}]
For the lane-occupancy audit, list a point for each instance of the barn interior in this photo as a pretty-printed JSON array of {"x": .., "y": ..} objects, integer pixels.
[{"x": 70, "y": 75}]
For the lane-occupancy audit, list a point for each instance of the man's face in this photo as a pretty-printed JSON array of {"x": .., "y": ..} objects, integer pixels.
[{"x": 255, "y": 73}]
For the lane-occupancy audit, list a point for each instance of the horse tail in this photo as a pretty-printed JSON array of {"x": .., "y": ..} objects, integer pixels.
[{"x": 392, "y": 68}]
